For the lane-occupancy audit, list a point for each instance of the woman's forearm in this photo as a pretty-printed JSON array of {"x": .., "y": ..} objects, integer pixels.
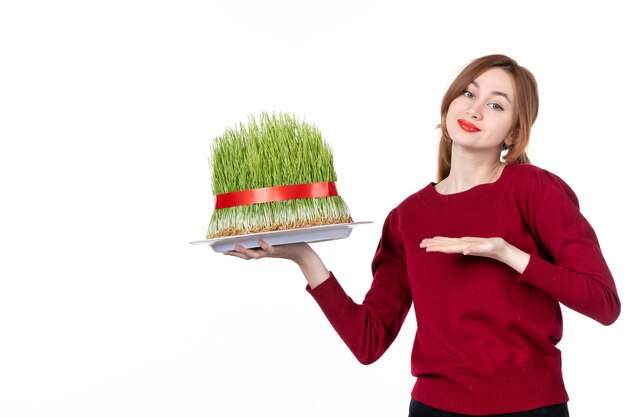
[
  {"x": 514, "y": 257},
  {"x": 302, "y": 254},
  {"x": 312, "y": 267}
]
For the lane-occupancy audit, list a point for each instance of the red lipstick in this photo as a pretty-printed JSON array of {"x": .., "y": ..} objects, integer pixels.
[{"x": 467, "y": 126}]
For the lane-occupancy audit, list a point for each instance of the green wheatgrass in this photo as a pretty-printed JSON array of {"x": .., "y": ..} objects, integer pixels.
[{"x": 269, "y": 151}]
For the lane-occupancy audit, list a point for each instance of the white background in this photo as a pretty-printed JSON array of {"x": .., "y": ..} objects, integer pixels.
[{"x": 107, "y": 112}]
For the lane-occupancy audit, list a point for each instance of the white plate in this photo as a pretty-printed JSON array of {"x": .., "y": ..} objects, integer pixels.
[{"x": 281, "y": 237}]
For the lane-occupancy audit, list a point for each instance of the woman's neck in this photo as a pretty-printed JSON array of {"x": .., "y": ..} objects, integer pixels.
[{"x": 468, "y": 172}]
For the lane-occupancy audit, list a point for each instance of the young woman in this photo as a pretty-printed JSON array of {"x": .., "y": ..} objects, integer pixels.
[{"x": 485, "y": 255}]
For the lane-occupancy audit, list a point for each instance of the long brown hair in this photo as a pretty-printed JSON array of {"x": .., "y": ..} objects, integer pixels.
[{"x": 526, "y": 106}]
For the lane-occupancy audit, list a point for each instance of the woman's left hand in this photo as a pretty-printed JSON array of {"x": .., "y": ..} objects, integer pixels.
[
  {"x": 492, "y": 247},
  {"x": 479, "y": 246}
]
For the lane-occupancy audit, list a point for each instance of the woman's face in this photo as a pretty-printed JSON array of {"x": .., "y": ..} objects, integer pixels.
[{"x": 482, "y": 117}]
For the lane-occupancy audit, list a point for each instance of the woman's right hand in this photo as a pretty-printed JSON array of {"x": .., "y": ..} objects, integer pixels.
[
  {"x": 302, "y": 254},
  {"x": 294, "y": 251}
]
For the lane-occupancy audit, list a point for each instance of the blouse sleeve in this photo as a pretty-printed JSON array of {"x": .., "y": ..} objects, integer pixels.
[
  {"x": 573, "y": 271},
  {"x": 368, "y": 329}
]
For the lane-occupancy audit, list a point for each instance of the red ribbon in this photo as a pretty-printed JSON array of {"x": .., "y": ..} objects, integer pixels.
[{"x": 278, "y": 193}]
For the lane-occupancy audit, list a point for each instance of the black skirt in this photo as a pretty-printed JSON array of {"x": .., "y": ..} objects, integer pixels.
[{"x": 417, "y": 409}]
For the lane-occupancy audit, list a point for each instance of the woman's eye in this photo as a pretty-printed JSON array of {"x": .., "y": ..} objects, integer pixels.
[
  {"x": 468, "y": 94},
  {"x": 496, "y": 106}
]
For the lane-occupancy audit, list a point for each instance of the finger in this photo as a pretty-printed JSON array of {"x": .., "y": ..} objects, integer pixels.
[
  {"x": 269, "y": 249},
  {"x": 477, "y": 249},
  {"x": 473, "y": 239},
  {"x": 470, "y": 250},
  {"x": 251, "y": 253},
  {"x": 440, "y": 238},
  {"x": 236, "y": 254},
  {"x": 441, "y": 242},
  {"x": 459, "y": 248},
  {"x": 432, "y": 241}
]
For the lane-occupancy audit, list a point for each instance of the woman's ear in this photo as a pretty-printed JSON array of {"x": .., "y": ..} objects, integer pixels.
[{"x": 511, "y": 138}]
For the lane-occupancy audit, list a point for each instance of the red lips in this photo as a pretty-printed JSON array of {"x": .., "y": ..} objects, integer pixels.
[{"x": 467, "y": 126}]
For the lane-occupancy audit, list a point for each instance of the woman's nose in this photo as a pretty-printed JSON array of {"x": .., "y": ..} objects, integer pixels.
[{"x": 473, "y": 111}]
